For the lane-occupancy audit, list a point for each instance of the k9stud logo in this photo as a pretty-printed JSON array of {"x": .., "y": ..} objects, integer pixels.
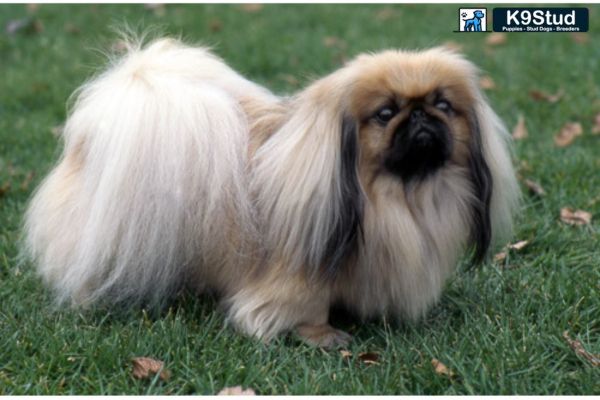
[{"x": 541, "y": 19}]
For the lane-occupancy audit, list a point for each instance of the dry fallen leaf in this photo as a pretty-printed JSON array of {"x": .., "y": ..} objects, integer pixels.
[
  {"x": 541, "y": 95},
  {"x": 580, "y": 37},
  {"x": 345, "y": 354},
  {"x": 568, "y": 133},
  {"x": 27, "y": 181},
  {"x": 495, "y": 39},
  {"x": 71, "y": 28},
  {"x": 290, "y": 79},
  {"x": 385, "y": 14},
  {"x": 500, "y": 256},
  {"x": 251, "y": 7},
  {"x": 596, "y": 126},
  {"x": 32, "y": 8},
  {"x": 4, "y": 188},
  {"x": 332, "y": 41},
  {"x": 581, "y": 351},
  {"x": 535, "y": 187},
  {"x": 520, "y": 130},
  {"x": 487, "y": 83},
  {"x": 215, "y": 25},
  {"x": 519, "y": 245},
  {"x": 578, "y": 217},
  {"x": 144, "y": 367},
  {"x": 369, "y": 358},
  {"x": 441, "y": 369},
  {"x": 236, "y": 391}
]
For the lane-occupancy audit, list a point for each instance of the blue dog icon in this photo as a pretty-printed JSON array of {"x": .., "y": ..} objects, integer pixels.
[{"x": 474, "y": 24}]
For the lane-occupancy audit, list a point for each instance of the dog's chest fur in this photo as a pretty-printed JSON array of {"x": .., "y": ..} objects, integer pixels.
[{"x": 404, "y": 277}]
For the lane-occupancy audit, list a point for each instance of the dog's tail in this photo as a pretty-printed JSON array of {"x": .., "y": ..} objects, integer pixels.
[{"x": 151, "y": 178}]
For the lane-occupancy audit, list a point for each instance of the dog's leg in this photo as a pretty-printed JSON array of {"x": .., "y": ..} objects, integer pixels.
[
  {"x": 323, "y": 335},
  {"x": 280, "y": 301}
]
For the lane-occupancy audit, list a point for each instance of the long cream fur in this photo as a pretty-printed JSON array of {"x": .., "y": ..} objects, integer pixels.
[{"x": 177, "y": 171}]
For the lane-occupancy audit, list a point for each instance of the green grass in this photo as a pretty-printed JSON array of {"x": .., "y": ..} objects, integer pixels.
[{"x": 499, "y": 328}]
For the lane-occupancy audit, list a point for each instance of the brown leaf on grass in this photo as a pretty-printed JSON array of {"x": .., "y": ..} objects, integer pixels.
[
  {"x": 27, "y": 181},
  {"x": 345, "y": 354},
  {"x": 580, "y": 37},
  {"x": 385, "y": 14},
  {"x": 567, "y": 134},
  {"x": 4, "y": 188},
  {"x": 487, "y": 83},
  {"x": 519, "y": 245},
  {"x": 596, "y": 126},
  {"x": 500, "y": 256},
  {"x": 32, "y": 8},
  {"x": 496, "y": 38},
  {"x": 144, "y": 367},
  {"x": 332, "y": 41},
  {"x": 535, "y": 187},
  {"x": 290, "y": 79},
  {"x": 452, "y": 45},
  {"x": 71, "y": 28},
  {"x": 236, "y": 391},
  {"x": 578, "y": 217},
  {"x": 524, "y": 166},
  {"x": 215, "y": 25},
  {"x": 251, "y": 7},
  {"x": 441, "y": 369},
  {"x": 369, "y": 358},
  {"x": 545, "y": 96},
  {"x": 520, "y": 130},
  {"x": 578, "y": 348}
]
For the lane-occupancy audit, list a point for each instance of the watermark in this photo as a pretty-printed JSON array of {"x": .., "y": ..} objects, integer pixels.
[
  {"x": 524, "y": 19},
  {"x": 541, "y": 19},
  {"x": 472, "y": 20}
]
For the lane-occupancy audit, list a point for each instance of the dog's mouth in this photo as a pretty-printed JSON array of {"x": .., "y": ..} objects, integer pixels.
[{"x": 420, "y": 146}]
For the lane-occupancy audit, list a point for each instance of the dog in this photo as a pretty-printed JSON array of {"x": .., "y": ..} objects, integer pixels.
[{"x": 365, "y": 189}]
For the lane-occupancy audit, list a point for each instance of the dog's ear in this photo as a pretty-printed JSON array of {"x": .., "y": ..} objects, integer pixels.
[
  {"x": 347, "y": 228},
  {"x": 493, "y": 175},
  {"x": 305, "y": 179},
  {"x": 482, "y": 181}
]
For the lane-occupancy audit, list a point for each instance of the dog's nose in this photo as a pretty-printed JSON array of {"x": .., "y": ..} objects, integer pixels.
[{"x": 417, "y": 115}]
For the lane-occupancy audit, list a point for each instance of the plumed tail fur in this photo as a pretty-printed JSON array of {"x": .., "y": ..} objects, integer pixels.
[{"x": 153, "y": 165}]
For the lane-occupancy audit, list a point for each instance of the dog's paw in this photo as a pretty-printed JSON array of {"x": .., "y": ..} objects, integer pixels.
[{"x": 324, "y": 336}]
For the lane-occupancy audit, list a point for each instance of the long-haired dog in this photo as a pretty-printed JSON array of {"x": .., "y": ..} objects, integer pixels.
[{"x": 364, "y": 189}]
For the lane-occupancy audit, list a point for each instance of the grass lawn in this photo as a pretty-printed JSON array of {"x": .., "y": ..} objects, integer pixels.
[{"x": 498, "y": 328}]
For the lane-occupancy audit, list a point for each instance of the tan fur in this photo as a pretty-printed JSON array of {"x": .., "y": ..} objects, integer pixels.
[{"x": 178, "y": 171}]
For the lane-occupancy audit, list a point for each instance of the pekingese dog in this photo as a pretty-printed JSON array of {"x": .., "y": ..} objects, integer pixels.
[{"x": 365, "y": 189}]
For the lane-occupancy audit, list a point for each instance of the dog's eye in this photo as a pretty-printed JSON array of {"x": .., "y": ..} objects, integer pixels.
[
  {"x": 443, "y": 105},
  {"x": 385, "y": 114}
]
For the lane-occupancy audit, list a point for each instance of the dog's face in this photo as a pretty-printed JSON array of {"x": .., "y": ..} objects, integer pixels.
[
  {"x": 478, "y": 14},
  {"x": 414, "y": 113}
]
